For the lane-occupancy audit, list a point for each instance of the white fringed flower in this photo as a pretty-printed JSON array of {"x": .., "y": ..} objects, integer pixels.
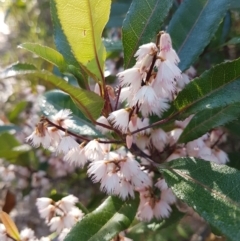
[
  {"x": 76, "y": 156},
  {"x": 93, "y": 150},
  {"x": 43, "y": 202},
  {"x": 146, "y": 95},
  {"x": 103, "y": 120},
  {"x": 149, "y": 48},
  {"x": 159, "y": 139},
  {"x": 120, "y": 119},
  {"x": 40, "y": 136},
  {"x": 66, "y": 144},
  {"x": 67, "y": 203},
  {"x": 131, "y": 77},
  {"x": 27, "y": 234},
  {"x": 63, "y": 118},
  {"x": 162, "y": 209}
]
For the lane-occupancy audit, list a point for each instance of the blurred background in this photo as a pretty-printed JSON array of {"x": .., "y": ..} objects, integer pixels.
[{"x": 27, "y": 173}]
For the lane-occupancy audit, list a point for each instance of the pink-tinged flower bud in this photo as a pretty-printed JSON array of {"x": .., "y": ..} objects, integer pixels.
[
  {"x": 166, "y": 50},
  {"x": 111, "y": 92},
  {"x": 134, "y": 119},
  {"x": 120, "y": 119},
  {"x": 129, "y": 141}
]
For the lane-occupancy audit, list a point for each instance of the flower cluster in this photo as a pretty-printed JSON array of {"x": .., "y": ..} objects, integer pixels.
[
  {"x": 26, "y": 234},
  {"x": 61, "y": 216},
  {"x": 145, "y": 90}
]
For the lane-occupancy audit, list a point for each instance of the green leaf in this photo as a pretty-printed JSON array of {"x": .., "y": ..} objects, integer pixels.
[
  {"x": 53, "y": 101},
  {"x": 49, "y": 54},
  {"x": 117, "y": 14},
  {"x": 6, "y": 128},
  {"x": 211, "y": 189},
  {"x": 141, "y": 25},
  {"x": 84, "y": 31},
  {"x": 207, "y": 119},
  {"x": 14, "y": 68},
  {"x": 88, "y": 102},
  {"x": 110, "y": 218},
  {"x": 234, "y": 127},
  {"x": 193, "y": 25},
  {"x": 64, "y": 48},
  {"x": 7, "y": 141},
  {"x": 216, "y": 87},
  {"x": 234, "y": 4}
]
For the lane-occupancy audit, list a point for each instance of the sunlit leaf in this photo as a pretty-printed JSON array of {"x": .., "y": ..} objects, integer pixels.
[
  {"x": 83, "y": 31},
  {"x": 88, "y": 102},
  {"x": 10, "y": 226},
  {"x": 211, "y": 189},
  {"x": 49, "y": 54}
]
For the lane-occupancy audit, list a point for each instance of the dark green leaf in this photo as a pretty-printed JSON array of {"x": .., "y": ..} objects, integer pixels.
[
  {"x": 234, "y": 4},
  {"x": 117, "y": 14},
  {"x": 193, "y": 25},
  {"x": 217, "y": 87},
  {"x": 53, "y": 101},
  {"x": 211, "y": 189},
  {"x": 112, "y": 217},
  {"x": 234, "y": 158},
  {"x": 141, "y": 25},
  {"x": 6, "y": 128},
  {"x": 88, "y": 102},
  {"x": 234, "y": 127},
  {"x": 207, "y": 119},
  {"x": 49, "y": 54}
]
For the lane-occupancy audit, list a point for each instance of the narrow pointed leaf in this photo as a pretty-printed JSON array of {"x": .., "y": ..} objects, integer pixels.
[
  {"x": 110, "y": 218},
  {"x": 83, "y": 31},
  {"x": 53, "y": 101},
  {"x": 88, "y": 102},
  {"x": 217, "y": 87},
  {"x": 141, "y": 25},
  {"x": 207, "y": 119},
  {"x": 15, "y": 68},
  {"x": 49, "y": 54},
  {"x": 10, "y": 226},
  {"x": 211, "y": 189},
  {"x": 193, "y": 25}
]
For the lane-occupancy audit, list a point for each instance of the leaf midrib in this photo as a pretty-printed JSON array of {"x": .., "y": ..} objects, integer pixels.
[
  {"x": 181, "y": 46},
  {"x": 189, "y": 178},
  {"x": 94, "y": 41},
  {"x": 207, "y": 120},
  {"x": 208, "y": 94}
]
